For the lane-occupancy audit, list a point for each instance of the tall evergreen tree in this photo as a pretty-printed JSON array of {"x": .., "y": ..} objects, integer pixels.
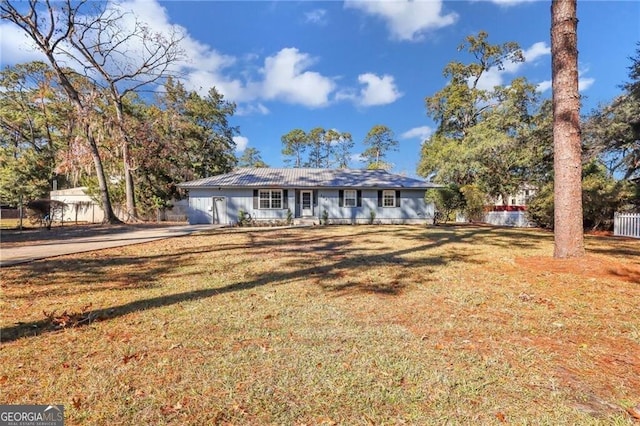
[
  {"x": 379, "y": 141},
  {"x": 294, "y": 144},
  {"x": 568, "y": 226}
]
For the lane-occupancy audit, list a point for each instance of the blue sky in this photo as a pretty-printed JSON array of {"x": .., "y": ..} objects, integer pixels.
[{"x": 354, "y": 64}]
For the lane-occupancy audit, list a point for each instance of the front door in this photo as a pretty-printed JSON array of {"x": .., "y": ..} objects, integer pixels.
[
  {"x": 219, "y": 213},
  {"x": 306, "y": 203}
]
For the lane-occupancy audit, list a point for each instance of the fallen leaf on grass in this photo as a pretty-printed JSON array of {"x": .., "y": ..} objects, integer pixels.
[
  {"x": 501, "y": 417},
  {"x": 136, "y": 356},
  {"x": 76, "y": 402},
  {"x": 634, "y": 412},
  {"x": 168, "y": 409}
]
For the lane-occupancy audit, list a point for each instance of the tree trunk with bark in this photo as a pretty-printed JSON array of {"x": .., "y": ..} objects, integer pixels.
[
  {"x": 47, "y": 40},
  {"x": 567, "y": 162}
]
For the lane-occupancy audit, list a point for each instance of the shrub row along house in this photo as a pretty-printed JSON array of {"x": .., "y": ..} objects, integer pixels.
[{"x": 309, "y": 196}]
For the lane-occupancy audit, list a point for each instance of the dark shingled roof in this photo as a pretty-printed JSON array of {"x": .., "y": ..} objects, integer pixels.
[{"x": 308, "y": 178}]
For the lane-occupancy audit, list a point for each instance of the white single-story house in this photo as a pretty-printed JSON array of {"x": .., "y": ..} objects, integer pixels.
[{"x": 309, "y": 195}]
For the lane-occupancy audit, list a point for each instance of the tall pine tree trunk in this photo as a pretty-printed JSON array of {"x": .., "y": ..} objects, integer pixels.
[{"x": 567, "y": 163}]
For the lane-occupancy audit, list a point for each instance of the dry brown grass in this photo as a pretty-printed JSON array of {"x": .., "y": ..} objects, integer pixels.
[{"x": 329, "y": 325}]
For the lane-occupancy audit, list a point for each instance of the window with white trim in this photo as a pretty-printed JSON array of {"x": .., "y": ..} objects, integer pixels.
[
  {"x": 388, "y": 198},
  {"x": 350, "y": 198},
  {"x": 270, "y": 198}
]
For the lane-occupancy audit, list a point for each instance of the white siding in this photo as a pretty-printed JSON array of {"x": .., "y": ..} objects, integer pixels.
[{"x": 413, "y": 208}]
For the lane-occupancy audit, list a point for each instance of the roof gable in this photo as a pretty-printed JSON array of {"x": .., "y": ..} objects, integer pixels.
[{"x": 308, "y": 178}]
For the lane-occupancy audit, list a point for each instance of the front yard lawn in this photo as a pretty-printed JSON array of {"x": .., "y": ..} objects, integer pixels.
[{"x": 329, "y": 325}]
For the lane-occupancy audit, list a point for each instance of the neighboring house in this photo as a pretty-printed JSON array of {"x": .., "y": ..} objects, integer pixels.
[
  {"x": 79, "y": 206},
  {"x": 513, "y": 212},
  {"x": 309, "y": 195},
  {"x": 515, "y": 202}
]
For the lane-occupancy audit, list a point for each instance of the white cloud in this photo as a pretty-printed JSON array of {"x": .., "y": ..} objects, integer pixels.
[
  {"x": 250, "y": 109},
  {"x": 422, "y": 133},
  {"x": 283, "y": 76},
  {"x": 248, "y": 80},
  {"x": 543, "y": 86},
  {"x": 16, "y": 48},
  {"x": 241, "y": 143},
  {"x": 537, "y": 50},
  {"x": 286, "y": 78},
  {"x": 495, "y": 76},
  {"x": 377, "y": 90},
  {"x": 584, "y": 83},
  {"x": 316, "y": 16},
  {"x": 406, "y": 19}
]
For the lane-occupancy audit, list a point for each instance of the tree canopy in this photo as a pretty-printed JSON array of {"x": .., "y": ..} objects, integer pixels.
[
  {"x": 483, "y": 133},
  {"x": 379, "y": 141}
]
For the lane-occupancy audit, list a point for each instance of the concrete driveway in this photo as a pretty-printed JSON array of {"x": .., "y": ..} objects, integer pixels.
[{"x": 69, "y": 245}]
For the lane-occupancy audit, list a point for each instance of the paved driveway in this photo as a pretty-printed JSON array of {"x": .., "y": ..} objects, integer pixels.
[{"x": 69, "y": 245}]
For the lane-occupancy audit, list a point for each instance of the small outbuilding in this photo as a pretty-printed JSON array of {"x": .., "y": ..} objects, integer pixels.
[
  {"x": 78, "y": 205},
  {"x": 333, "y": 196}
]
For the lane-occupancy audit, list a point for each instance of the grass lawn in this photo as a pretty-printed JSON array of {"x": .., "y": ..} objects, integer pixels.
[{"x": 329, "y": 325}]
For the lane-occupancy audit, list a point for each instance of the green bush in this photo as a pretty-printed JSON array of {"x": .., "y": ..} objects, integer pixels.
[
  {"x": 244, "y": 218},
  {"x": 447, "y": 201},
  {"x": 602, "y": 196}
]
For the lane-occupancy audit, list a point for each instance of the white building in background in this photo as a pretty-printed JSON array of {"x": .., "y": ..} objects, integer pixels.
[
  {"x": 519, "y": 199},
  {"x": 79, "y": 207},
  {"x": 513, "y": 211}
]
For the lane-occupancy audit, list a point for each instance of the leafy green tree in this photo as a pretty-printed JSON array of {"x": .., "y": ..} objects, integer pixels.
[
  {"x": 540, "y": 206},
  {"x": 379, "y": 140},
  {"x": 461, "y": 103},
  {"x": 482, "y": 135},
  {"x": 603, "y": 195},
  {"x": 612, "y": 132},
  {"x": 35, "y": 123},
  {"x": 447, "y": 201},
  {"x": 102, "y": 46},
  {"x": 183, "y": 136},
  {"x": 50, "y": 31},
  {"x": 475, "y": 200},
  {"x": 294, "y": 144},
  {"x": 251, "y": 157}
]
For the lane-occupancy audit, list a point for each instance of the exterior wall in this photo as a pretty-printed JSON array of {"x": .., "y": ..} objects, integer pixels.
[
  {"x": 516, "y": 219},
  {"x": 413, "y": 208},
  {"x": 201, "y": 206},
  {"x": 521, "y": 198},
  {"x": 78, "y": 206}
]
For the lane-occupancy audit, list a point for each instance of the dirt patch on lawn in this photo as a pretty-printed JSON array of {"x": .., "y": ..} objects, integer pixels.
[{"x": 588, "y": 266}]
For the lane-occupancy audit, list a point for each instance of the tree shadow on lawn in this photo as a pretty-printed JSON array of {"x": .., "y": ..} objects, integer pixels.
[
  {"x": 325, "y": 259},
  {"x": 614, "y": 246}
]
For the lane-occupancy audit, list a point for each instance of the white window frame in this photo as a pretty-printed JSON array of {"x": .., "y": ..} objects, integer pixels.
[
  {"x": 271, "y": 202},
  {"x": 388, "y": 195},
  {"x": 352, "y": 196}
]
